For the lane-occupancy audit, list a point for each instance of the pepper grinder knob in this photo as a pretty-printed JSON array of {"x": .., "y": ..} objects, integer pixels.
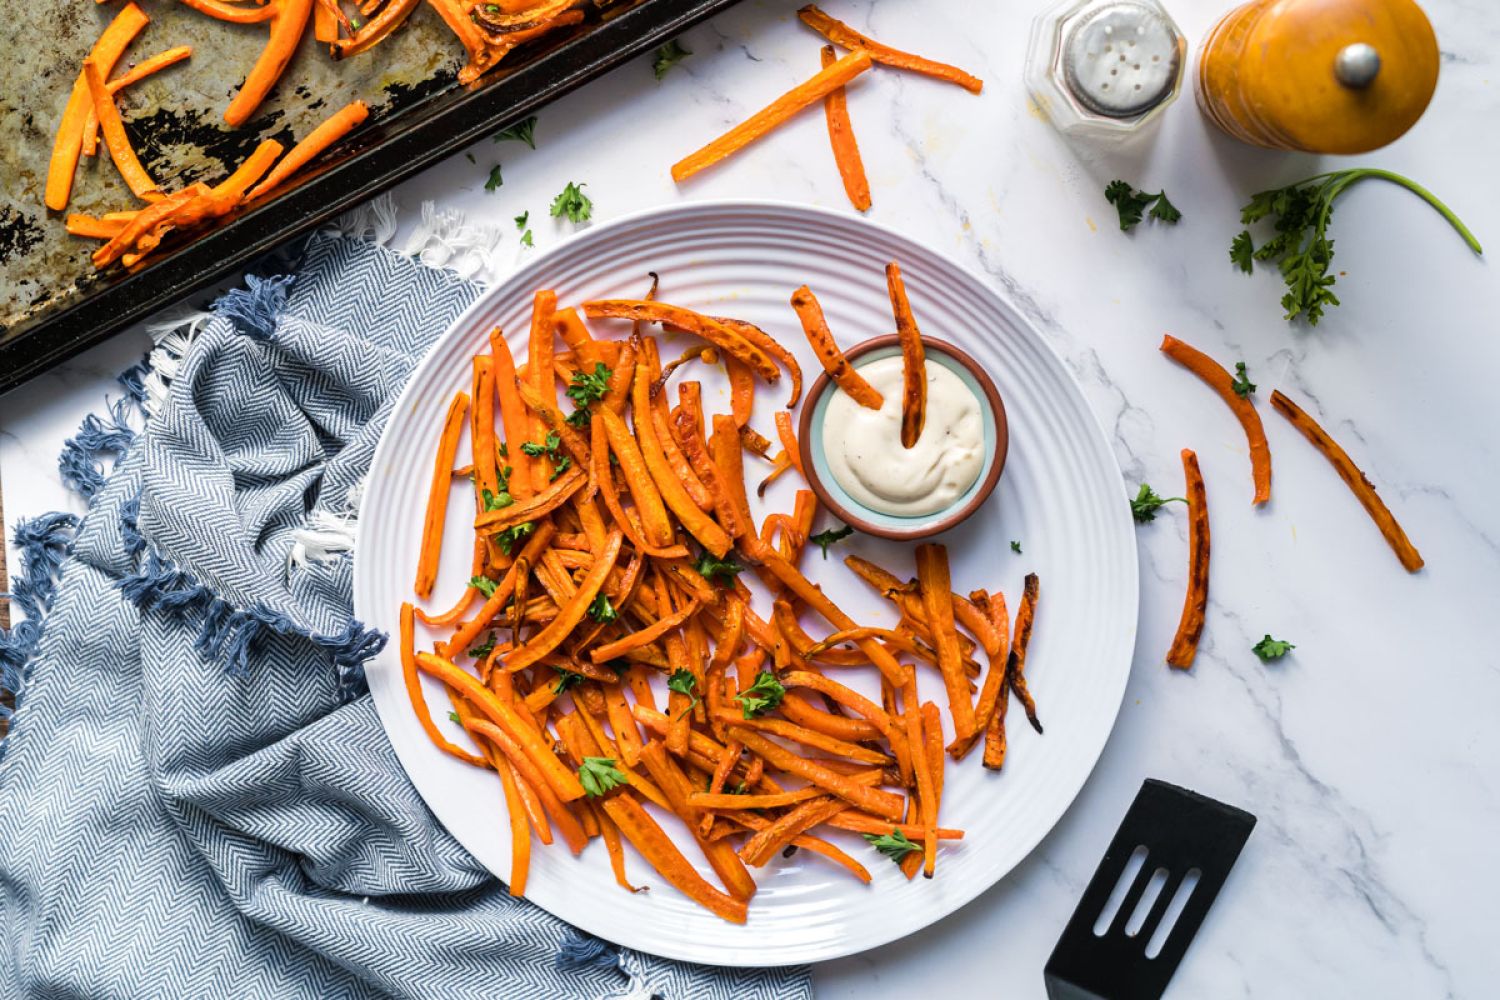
[{"x": 1357, "y": 65}]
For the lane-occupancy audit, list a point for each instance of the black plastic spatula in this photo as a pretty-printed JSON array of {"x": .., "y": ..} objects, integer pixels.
[{"x": 1186, "y": 844}]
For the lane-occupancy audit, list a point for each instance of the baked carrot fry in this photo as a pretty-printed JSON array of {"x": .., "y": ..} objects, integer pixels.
[
  {"x": 570, "y": 615},
  {"x": 778, "y": 111},
  {"x": 922, "y": 771},
  {"x": 1190, "y": 628},
  {"x": 995, "y": 684},
  {"x": 329, "y": 131},
  {"x": 611, "y": 835},
  {"x": 638, "y": 478},
  {"x": 653, "y": 843},
  {"x": 814, "y": 845},
  {"x": 539, "y": 369},
  {"x": 287, "y": 24},
  {"x": 673, "y": 493},
  {"x": 137, "y": 73},
  {"x": 720, "y": 855},
  {"x": 231, "y": 190},
  {"x": 437, "y": 495},
  {"x": 1015, "y": 670},
  {"x": 771, "y": 346},
  {"x": 765, "y": 844},
  {"x": 937, "y": 597},
  {"x": 858, "y": 822},
  {"x": 527, "y": 771},
  {"x": 495, "y": 603},
  {"x": 562, "y": 781},
  {"x": 548, "y": 500},
  {"x": 774, "y": 800},
  {"x": 834, "y": 363},
  {"x": 913, "y": 360},
  {"x": 95, "y": 228},
  {"x": 1211, "y": 372},
  {"x": 729, "y": 467},
  {"x": 788, "y": 436},
  {"x": 810, "y": 738},
  {"x": 68, "y": 142},
  {"x": 841, "y": 34},
  {"x": 418, "y": 699},
  {"x": 872, "y": 800},
  {"x": 327, "y": 18},
  {"x": 844, "y": 696},
  {"x": 373, "y": 31},
  {"x": 520, "y": 834},
  {"x": 716, "y": 333},
  {"x": 696, "y": 452},
  {"x": 1356, "y": 480},
  {"x": 115, "y": 139},
  {"x": 932, "y": 737},
  {"x": 841, "y": 138},
  {"x": 234, "y": 13}
]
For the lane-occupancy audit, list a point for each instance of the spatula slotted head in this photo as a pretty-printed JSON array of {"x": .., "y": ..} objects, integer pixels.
[{"x": 1172, "y": 853}]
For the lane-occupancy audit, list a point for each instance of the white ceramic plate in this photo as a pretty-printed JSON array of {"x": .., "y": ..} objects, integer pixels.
[{"x": 1061, "y": 497}]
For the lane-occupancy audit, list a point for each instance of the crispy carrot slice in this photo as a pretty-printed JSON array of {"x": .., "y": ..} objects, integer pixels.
[
  {"x": 68, "y": 142},
  {"x": 653, "y": 843},
  {"x": 872, "y": 800},
  {"x": 146, "y": 67},
  {"x": 763, "y": 340},
  {"x": 372, "y": 32},
  {"x": 437, "y": 495},
  {"x": 1190, "y": 628},
  {"x": 287, "y": 24},
  {"x": 778, "y": 111},
  {"x": 994, "y": 643},
  {"x": 937, "y": 597},
  {"x": 418, "y": 699},
  {"x": 716, "y": 333},
  {"x": 115, "y": 139},
  {"x": 765, "y": 845},
  {"x": 673, "y": 493},
  {"x": 913, "y": 359},
  {"x": 841, "y": 34},
  {"x": 572, "y": 613},
  {"x": 1356, "y": 480},
  {"x": 329, "y": 131},
  {"x": 827, "y": 349},
  {"x": 234, "y": 13},
  {"x": 1210, "y": 371},
  {"x": 1015, "y": 672},
  {"x": 841, "y": 138},
  {"x": 720, "y": 855}
]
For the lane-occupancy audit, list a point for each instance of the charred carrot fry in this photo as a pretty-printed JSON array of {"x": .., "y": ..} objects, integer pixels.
[
  {"x": 871, "y": 800},
  {"x": 287, "y": 24},
  {"x": 995, "y": 687},
  {"x": 1356, "y": 480},
  {"x": 937, "y": 597},
  {"x": 373, "y": 31},
  {"x": 841, "y": 137},
  {"x": 569, "y": 616},
  {"x": 723, "y": 337},
  {"x": 68, "y": 142},
  {"x": 1015, "y": 669},
  {"x": 329, "y": 131},
  {"x": 115, "y": 139},
  {"x": 833, "y": 360},
  {"x": 1190, "y": 628},
  {"x": 1211, "y": 372},
  {"x": 729, "y": 468},
  {"x": 234, "y": 13},
  {"x": 741, "y": 390},
  {"x": 913, "y": 360},
  {"x": 772, "y": 347},
  {"x": 778, "y": 111},
  {"x": 841, "y": 34},
  {"x": 437, "y": 496}
]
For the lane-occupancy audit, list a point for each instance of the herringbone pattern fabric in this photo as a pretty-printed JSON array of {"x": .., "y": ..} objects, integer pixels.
[{"x": 173, "y": 828}]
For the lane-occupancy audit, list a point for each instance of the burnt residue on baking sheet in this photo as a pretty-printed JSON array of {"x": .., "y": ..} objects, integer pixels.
[{"x": 174, "y": 118}]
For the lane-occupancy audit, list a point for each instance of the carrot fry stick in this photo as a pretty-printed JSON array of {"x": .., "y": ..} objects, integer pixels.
[
  {"x": 373, "y": 31},
  {"x": 567, "y": 823},
  {"x": 762, "y": 847},
  {"x": 716, "y": 333},
  {"x": 858, "y": 822},
  {"x": 287, "y": 24},
  {"x": 913, "y": 360},
  {"x": 232, "y": 12},
  {"x": 1185, "y": 643},
  {"x": 1356, "y": 480},
  {"x": 810, "y": 738},
  {"x": 137, "y": 73},
  {"x": 1211, "y": 372},
  {"x": 326, "y": 18},
  {"x": 841, "y": 694},
  {"x": 569, "y": 616},
  {"x": 841, "y": 34},
  {"x": 937, "y": 597},
  {"x": 788, "y": 436},
  {"x": 995, "y": 684},
  {"x": 652, "y": 841},
  {"x": 673, "y": 493},
  {"x": 778, "y": 111},
  {"x": 539, "y": 369},
  {"x": 720, "y": 855},
  {"x": 231, "y": 190},
  {"x": 871, "y": 800},
  {"x": 520, "y": 835},
  {"x": 68, "y": 142},
  {"x": 729, "y": 467},
  {"x": 763, "y": 340},
  {"x": 833, "y": 360},
  {"x": 611, "y": 835},
  {"x": 563, "y": 781},
  {"x": 496, "y": 602},
  {"x": 115, "y": 139},
  {"x": 841, "y": 138},
  {"x": 329, "y": 131},
  {"x": 1015, "y": 670},
  {"x": 418, "y": 699},
  {"x": 649, "y": 634},
  {"x": 638, "y": 478},
  {"x": 932, "y": 737},
  {"x": 87, "y": 225},
  {"x": 922, "y": 770},
  {"x": 437, "y": 496}
]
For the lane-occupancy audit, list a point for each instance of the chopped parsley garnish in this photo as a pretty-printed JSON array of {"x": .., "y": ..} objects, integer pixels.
[
  {"x": 708, "y": 567},
  {"x": 894, "y": 845},
  {"x": 526, "y": 239},
  {"x": 586, "y": 387},
  {"x": 598, "y": 775},
  {"x": 484, "y": 585},
  {"x": 485, "y": 648},
  {"x": 683, "y": 682},
  {"x": 508, "y": 538},
  {"x": 762, "y": 696},
  {"x": 495, "y": 180},
  {"x": 549, "y": 446},
  {"x": 1269, "y": 649},
  {"x": 566, "y": 679},
  {"x": 453, "y": 717},
  {"x": 1242, "y": 385},
  {"x": 572, "y": 204},
  {"x": 520, "y": 131},
  {"x": 560, "y": 464},
  {"x": 521, "y": 219},
  {"x": 1132, "y": 205},
  {"x": 579, "y": 418},
  {"x": 1242, "y": 252},
  {"x": 1015, "y": 546},
  {"x": 667, "y": 56},
  {"x": 1146, "y": 503},
  {"x": 601, "y": 610},
  {"x": 497, "y": 501},
  {"x": 823, "y": 539}
]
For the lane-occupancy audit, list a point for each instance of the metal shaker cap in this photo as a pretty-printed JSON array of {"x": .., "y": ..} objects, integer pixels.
[{"x": 1122, "y": 59}]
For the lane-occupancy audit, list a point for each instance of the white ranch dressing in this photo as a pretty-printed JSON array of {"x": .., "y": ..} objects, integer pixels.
[{"x": 864, "y": 451}]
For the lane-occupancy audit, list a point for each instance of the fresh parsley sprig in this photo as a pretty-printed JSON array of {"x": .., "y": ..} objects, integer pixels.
[
  {"x": 1269, "y": 649},
  {"x": 832, "y": 536},
  {"x": 894, "y": 845},
  {"x": 683, "y": 682},
  {"x": 598, "y": 775},
  {"x": 1242, "y": 385},
  {"x": 484, "y": 585},
  {"x": 1301, "y": 248},
  {"x": 572, "y": 204},
  {"x": 667, "y": 56},
  {"x": 1132, "y": 205},
  {"x": 494, "y": 181},
  {"x": 762, "y": 696},
  {"x": 1146, "y": 503},
  {"x": 508, "y": 537},
  {"x": 521, "y": 131},
  {"x": 708, "y": 567},
  {"x": 601, "y": 610}
]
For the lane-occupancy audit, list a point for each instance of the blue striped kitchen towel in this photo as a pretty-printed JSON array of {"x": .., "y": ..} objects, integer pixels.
[{"x": 196, "y": 796}]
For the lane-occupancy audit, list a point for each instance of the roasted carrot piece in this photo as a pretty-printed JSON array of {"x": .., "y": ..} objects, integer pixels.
[
  {"x": 87, "y": 225},
  {"x": 720, "y": 855},
  {"x": 1015, "y": 671},
  {"x": 287, "y": 24},
  {"x": 841, "y": 34},
  {"x": 234, "y": 13},
  {"x": 996, "y": 686},
  {"x": 872, "y": 800},
  {"x": 778, "y": 111},
  {"x": 937, "y": 597},
  {"x": 329, "y": 131},
  {"x": 652, "y": 841},
  {"x": 827, "y": 349},
  {"x": 1210, "y": 371},
  {"x": 764, "y": 846},
  {"x": 1185, "y": 643},
  {"x": 642, "y": 485},
  {"x": 716, "y": 333},
  {"x": 146, "y": 67},
  {"x": 611, "y": 835},
  {"x": 841, "y": 138},
  {"x": 772, "y": 347},
  {"x": 530, "y": 777},
  {"x": 372, "y": 32},
  {"x": 932, "y": 739},
  {"x": 115, "y": 139},
  {"x": 231, "y": 190},
  {"x": 437, "y": 495},
  {"x": 1356, "y": 480},
  {"x": 913, "y": 359},
  {"x": 418, "y": 700},
  {"x": 69, "y": 139},
  {"x": 570, "y": 615},
  {"x": 520, "y": 835},
  {"x": 843, "y": 695},
  {"x": 810, "y": 738},
  {"x": 539, "y": 370}
]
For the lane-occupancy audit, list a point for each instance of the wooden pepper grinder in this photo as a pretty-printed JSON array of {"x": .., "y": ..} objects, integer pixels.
[{"x": 1321, "y": 76}]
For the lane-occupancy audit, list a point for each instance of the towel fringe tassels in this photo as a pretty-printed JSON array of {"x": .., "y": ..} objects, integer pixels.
[
  {"x": 42, "y": 543},
  {"x": 372, "y": 222},
  {"x": 446, "y": 240},
  {"x": 254, "y": 308}
]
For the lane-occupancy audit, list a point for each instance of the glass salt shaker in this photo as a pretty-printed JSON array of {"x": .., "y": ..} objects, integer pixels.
[{"x": 1104, "y": 69}]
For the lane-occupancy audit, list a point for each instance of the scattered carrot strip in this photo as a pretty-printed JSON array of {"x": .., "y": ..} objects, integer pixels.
[
  {"x": 841, "y": 34},
  {"x": 137, "y": 73},
  {"x": 115, "y": 139},
  {"x": 1185, "y": 643},
  {"x": 841, "y": 138},
  {"x": 1210, "y": 371},
  {"x": 437, "y": 496},
  {"x": 778, "y": 111},
  {"x": 287, "y": 24},
  {"x": 1356, "y": 480},
  {"x": 329, "y": 131},
  {"x": 723, "y": 337},
  {"x": 234, "y": 13},
  {"x": 418, "y": 700},
  {"x": 827, "y": 349}
]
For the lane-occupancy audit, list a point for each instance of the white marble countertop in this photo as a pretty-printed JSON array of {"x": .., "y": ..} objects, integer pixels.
[{"x": 1368, "y": 753}]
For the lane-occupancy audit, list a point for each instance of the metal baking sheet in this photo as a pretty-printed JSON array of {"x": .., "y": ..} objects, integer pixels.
[{"x": 53, "y": 303}]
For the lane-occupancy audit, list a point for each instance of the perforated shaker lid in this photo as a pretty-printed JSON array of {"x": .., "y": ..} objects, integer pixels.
[{"x": 1122, "y": 59}]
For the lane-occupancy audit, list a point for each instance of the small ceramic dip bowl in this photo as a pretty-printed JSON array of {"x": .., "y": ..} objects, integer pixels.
[{"x": 883, "y": 525}]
